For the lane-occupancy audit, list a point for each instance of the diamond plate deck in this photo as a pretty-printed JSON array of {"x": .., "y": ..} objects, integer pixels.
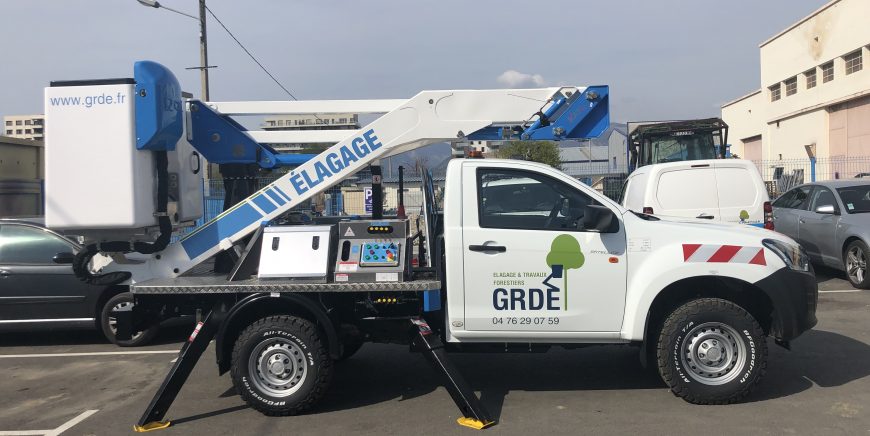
[{"x": 219, "y": 285}]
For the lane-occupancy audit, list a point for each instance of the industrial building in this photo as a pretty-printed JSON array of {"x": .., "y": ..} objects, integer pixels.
[
  {"x": 814, "y": 92},
  {"x": 22, "y": 171},
  {"x": 309, "y": 122}
]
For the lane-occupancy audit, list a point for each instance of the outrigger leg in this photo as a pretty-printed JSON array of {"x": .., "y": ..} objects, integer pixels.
[
  {"x": 474, "y": 415},
  {"x": 190, "y": 353}
]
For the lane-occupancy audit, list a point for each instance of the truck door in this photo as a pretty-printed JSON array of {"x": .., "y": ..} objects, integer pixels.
[{"x": 529, "y": 265}]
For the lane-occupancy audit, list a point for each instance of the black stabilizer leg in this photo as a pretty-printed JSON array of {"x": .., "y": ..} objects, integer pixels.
[
  {"x": 190, "y": 353},
  {"x": 473, "y": 412}
]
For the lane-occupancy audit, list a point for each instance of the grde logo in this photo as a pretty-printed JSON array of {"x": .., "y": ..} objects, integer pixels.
[{"x": 565, "y": 254}]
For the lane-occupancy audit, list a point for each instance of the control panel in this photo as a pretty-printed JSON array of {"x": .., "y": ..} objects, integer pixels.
[
  {"x": 378, "y": 253},
  {"x": 372, "y": 251}
]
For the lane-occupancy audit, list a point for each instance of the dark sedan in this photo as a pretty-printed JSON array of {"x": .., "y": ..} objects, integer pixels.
[
  {"x": 39, "y": 290},
  {"x": 831, "y": 220}
]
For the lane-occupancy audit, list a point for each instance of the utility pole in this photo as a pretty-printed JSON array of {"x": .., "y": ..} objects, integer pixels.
[{"x": 203, "y": 51}]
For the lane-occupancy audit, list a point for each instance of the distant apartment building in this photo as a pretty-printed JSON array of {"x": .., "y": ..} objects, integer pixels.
[
  {"x": 814, "y": 90},
  {"x": 24, "y": 126},
  {"x": 309, "y": 122}
]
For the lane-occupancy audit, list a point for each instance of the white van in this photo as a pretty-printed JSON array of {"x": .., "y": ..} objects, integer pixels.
[{"x": 729, "y": 190}]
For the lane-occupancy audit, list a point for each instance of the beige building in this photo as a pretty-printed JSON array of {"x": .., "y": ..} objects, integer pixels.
[
  {"x": 309, "y": 122},
  {"x": 815, "y": 90},
  {"x": 24, "y": 126}
]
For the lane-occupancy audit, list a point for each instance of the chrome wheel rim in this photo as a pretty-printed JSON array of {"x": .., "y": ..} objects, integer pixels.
[
  {"x": 856, "y": 264},
  {"x": 278, "y": 367},
  {"x": 113, "y": 321},
  {"x": 713, "y": 353}
]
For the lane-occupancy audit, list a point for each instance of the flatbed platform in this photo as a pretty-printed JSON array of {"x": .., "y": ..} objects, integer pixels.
[{"x": 220, "y": 285}]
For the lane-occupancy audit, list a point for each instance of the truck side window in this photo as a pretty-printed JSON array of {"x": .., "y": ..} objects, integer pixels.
[{"x": 514, "y": 199}]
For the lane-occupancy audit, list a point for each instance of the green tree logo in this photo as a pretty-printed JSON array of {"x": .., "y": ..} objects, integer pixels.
[
  {"x": 564, "y": 254},
  {"x": 744, "y": 215}
]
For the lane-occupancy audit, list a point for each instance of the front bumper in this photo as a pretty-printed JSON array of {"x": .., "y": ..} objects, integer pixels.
[{"x": 794, "y": 295}]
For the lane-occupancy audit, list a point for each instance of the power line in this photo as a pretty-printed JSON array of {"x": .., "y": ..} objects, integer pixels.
[{"x": 251, "y": 55}]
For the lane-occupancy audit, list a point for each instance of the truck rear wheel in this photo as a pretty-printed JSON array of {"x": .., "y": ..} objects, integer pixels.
[
  {"x": 711, "y": 351},
  {"x": 280, "y": 365}
]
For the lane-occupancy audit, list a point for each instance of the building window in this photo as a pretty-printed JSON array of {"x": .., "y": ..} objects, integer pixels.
[
  {"x": 37, "y": 122},
  {"x": 853, "y": 62},
  {"x": 8, "y": 131},
  {"x": 28, "y": 131},
  {"x": 791, "y": 86},
  {"x": 38, "y": 131},
  {"x": 9, "y": 123},
  {"x": 811, "y": 78},
  {"x": 774, "y": 92},
  {"x": 828, "y": 72},
  {"x": 17, "y": 122},
  {"x": 17, "y": 131},
  {"x": 28, "y": 122}
]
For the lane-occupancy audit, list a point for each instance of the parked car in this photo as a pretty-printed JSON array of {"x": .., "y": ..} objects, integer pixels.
[
  {"x": 727, "y": 190},
  {"x": 832, "y": 222},
  {"x": 39, "y": 290}
]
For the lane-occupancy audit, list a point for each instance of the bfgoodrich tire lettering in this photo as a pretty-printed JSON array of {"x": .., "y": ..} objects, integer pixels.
[
  {"x": 280, "y": 365},
  {"x": 711, "y": 351}
]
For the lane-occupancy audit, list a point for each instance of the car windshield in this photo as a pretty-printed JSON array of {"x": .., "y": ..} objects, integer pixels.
[{"x": 856, "y": 199}]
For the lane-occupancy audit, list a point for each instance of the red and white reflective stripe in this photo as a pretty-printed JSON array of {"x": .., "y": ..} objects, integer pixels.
[
  {"x": 195, "y": 332},
  {"x": 714, "y": 253}
]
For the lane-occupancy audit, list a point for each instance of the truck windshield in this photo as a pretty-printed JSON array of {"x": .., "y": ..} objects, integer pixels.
[
  {"x": 855, "y": 198},
  {"x": 680, "y": 147}
]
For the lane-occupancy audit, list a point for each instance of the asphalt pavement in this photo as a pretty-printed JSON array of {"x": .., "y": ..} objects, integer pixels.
[{"x": 77, "y": 384}]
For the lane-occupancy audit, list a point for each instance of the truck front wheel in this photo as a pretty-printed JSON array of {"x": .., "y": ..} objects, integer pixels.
[
  {"x": 711, "y": 351},
  {"x": 280, "y": 365}
]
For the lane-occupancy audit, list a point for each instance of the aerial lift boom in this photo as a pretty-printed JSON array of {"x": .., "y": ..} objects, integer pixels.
[{"x": 555, "y": 113}]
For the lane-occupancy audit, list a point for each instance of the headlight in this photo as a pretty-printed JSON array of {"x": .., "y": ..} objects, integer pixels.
[{"x": 794, "y": 256}]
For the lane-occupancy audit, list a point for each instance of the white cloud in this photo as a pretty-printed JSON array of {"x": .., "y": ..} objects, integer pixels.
[{"x": 516, "y": 79}]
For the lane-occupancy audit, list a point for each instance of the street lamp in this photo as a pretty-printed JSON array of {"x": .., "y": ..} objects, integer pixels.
[{"x": 203, "y": 43}]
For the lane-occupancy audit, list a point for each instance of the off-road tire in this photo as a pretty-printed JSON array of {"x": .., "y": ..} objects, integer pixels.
[
  {"x": 139, "y": 338},
  {"x": 301, "y": 339},
  {"x": 719, "y": 324},
  {"x": 864, "y": 254}
]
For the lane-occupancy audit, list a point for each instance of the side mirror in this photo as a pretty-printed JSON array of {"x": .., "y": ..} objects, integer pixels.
[
  {"x": 63, "y": 258},
  {"x": 600, "y": 219},
  {"x": 827, "y": 209}
]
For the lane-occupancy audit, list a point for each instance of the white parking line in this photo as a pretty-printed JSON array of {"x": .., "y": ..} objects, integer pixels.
[
  {"x": 841, "y": 291},
  {"x": 67, "y": 425},
  {"x": 53, "y": 432},
  {"x": 98, "y": 353}
]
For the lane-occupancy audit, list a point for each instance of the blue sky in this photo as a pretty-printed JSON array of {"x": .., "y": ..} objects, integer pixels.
[{"x": 664, "y": 59}]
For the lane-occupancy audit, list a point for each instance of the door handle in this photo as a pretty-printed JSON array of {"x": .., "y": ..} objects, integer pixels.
[
  {"x": 495, "y": 248},
  {"x": 801, "y": 220},
  {"x": 704, "y": 216},
  {"x": 4, "y": 274}
]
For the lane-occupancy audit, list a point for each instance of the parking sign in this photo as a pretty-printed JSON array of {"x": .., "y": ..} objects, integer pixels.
[{"x": 368, "y": 197}]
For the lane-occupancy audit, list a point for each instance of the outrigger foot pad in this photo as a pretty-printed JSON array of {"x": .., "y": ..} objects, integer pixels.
[
  {"x": 473, "y": 423},
  {"x": 151, "y": 426}
]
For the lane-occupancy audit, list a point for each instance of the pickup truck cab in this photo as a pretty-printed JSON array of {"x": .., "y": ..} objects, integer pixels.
[{"x": 535, "y": 256}]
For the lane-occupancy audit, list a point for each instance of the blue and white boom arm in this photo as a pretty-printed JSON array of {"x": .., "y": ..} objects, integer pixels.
[{"x": 429, "y": 117}]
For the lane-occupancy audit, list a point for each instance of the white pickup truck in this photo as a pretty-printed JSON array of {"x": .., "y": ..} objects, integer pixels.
[{"x": 531, "y": 258}]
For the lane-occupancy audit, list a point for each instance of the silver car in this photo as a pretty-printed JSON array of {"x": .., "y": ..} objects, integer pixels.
[{"x": 832, "y": 222}]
